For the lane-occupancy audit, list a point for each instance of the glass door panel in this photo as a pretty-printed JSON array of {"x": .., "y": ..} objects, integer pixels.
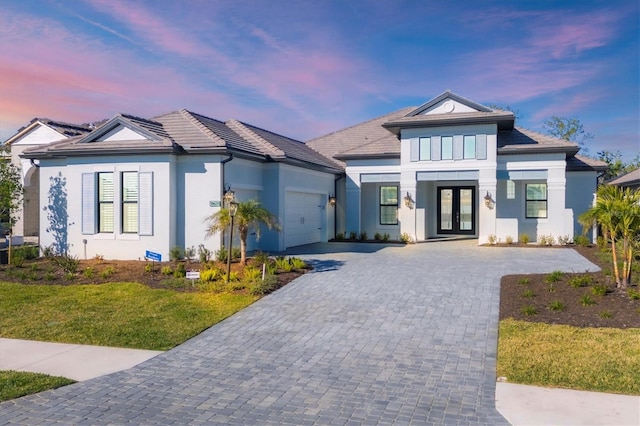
[
  {"x": 446, "y": 209},
  {"x": 466, "y": 209}
]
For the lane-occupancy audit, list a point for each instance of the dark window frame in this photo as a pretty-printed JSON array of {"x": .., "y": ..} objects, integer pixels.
[
  {"x": 101, "y": 226},
  {"x": 384, "y": 206},
  {"x": 544, "y": 200}
]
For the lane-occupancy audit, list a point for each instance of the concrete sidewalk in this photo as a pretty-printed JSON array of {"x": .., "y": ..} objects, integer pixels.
[
  {"x": 519, "y": 404},
  {"x": 77, "y": 362}
]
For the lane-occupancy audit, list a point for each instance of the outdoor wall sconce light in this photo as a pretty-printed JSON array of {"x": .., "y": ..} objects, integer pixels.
[
  {"x": 488, "y": 201},
  {"x": 228, "y": 197},
  {"x": 408, "y": 201},
  {"x": 332, "y": 200}
]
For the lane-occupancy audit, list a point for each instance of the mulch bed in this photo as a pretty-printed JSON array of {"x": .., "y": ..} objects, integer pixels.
[{"x": 615, "y": 309}]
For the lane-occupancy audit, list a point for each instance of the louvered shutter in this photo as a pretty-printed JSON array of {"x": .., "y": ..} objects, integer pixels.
[
  {"x": 415, "y": 149},
  {"x": 145, "y": 203},
  {"x": 481, "y": 147},
  {"x": 88, "y": 204}
]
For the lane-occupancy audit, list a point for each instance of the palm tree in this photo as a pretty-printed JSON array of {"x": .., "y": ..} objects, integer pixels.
[
  {"x": 250, "y": 216},
  {"x": 617, "y": 211}
]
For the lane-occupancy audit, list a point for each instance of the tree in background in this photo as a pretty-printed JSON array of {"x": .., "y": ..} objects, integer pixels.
[
  {"x": 570, "y": 129},
  {"x": 615, "y": 166},
  {"x": 250, "y": 216},
  {"x": 10, "y": 195}
]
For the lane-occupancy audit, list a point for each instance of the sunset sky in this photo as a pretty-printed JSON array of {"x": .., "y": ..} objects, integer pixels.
[{"x": 306, "y": 68}]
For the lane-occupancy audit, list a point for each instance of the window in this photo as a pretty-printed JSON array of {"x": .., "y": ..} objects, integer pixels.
[
  {"x": 511, "y": 190},
  {"x": 536, "y": 200},
  {"x": 425, "y": 149},
  {"x": 105, "y": 202},
  {"x": 469, "y": 147},
  {"x": 447, "y": 148},
  {"x": 388, "y": 205},
  {"x": 129, "y": 202}
]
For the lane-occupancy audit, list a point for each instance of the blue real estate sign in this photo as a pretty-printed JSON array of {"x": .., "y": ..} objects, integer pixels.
[{"x": 153, "y": 256}]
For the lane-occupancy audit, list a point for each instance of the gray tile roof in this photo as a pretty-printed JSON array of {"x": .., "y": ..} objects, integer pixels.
[
  {"x": 67, "y": 129},
  {"x": 522, "y": 141},
  {"x": 351, "y": 139},
  {"x": 187, "y": 132},
  {"x": 580, "y": 162},
  {"x": 629, "y": 179}
]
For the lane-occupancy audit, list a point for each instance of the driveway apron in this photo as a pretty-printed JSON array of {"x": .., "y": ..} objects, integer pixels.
[{"x": 374, "y": 335}]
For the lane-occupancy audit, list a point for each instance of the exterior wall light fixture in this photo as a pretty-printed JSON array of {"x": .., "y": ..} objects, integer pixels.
[
  {"x": 488, "y": 201},
  {"x": 408, "y": 201},
  {"x": 332, "y": 200}
]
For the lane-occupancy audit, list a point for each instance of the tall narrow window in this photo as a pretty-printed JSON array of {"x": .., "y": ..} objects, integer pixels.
[
  {"x": 447, "y": 148},
  {"x": 425, "y": 149},
  {"x": 105, "y": 202},
  {"x": 470, "y": 146},
  {"x": 388, "y": 205},
  {"x": 536, "y": 200},
  {"x": 129, "y": 202}
]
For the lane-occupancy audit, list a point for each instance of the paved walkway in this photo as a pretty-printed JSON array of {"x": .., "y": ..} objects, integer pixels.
[{"x": 397, "y": 335}]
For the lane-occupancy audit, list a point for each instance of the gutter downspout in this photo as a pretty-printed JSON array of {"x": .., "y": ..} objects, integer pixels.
[{"x": 222, "y": 163}]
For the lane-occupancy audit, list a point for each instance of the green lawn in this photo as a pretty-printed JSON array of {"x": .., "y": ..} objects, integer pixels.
[
  {"x": 595, "y": 359},
  {"x": 125, "y": 315},
  {"x": 14, "y": 384}
]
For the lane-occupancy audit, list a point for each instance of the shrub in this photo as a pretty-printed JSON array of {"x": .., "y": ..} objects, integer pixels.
[
  {"x": 252, "y": 274},
  {"x": 606, "y": 315},
  {"x": 89, "y": 272},
  {"x": 564, "y": 240},
  {"x": 601, "y": 242},
  {"x": 297, "y": 263},
  {"x": 554, "y": 276},
  {"x": 266, "y": 286},
  {"x": 166, "y": 270},
  {"x": 48, "y": 251},
  {"x": 492, "y": 239},
  {"x": 204, "y": 254},
  {"x": 557, "y": 306},
  {"x": 529, "y": 310},
  {"x": 582, "y": 241},
  {"x": 524, "y": 238},
  {"x": 209, "y": 275},
  {"x": 353, "y": 235},
  {"x": 386, "y": 237},
  {"x": 148, "y": 267},
  {"x": 190, "y": 253},
  {"x": 599, "y": 290},
  {"x": 98, "y": 258},
  {"x": 581, "y": 281},
  {"x": 633, "y": 294},
  {"x": 509, "y": 239},
  {"x": 377, "y": 236},
  {"x": 108, "y": 271},
  {"x": 67, "y": 263},
  {"x": 234, "y": 277},
  {"x": 405, "y": 238},
  {"x": 27, "y": 252},
  {"x": 340, "y": 236},
  {"x": 586, "y": 300},
  {"x": 524, "y": 281},
  {"x": 17, "y": 260},
  {"x": 259, "y": 258},
  {"x": 176, "y": 253},
  {"x": 221, "y": 255},
  {"x": 363, "y": 236},
  {"x": 181, "y": 271},
  {"x": 49, "y": 276},
  {"x": 528, "y": 294},
  {"x": 284, "y": 264},
  {"x": 551, "y": 288}
]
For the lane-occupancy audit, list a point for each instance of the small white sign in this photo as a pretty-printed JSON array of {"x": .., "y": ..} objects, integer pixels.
[{"x": 193, "y": 275}]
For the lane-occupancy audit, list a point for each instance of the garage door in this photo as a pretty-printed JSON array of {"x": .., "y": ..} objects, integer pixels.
[{"x": 303, "y": 218}]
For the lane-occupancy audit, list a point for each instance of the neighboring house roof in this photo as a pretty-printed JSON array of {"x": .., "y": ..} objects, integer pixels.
[
  {"x": 353, "y": 138},
  {"x": 67, "y": 130},
  {"x": 185, "y": 132},
  {"x": 630, "y": 179}
]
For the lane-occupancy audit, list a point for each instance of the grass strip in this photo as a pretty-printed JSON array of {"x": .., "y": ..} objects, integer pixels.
[
  {"x": 127, "y": 315},
  {"x": 14, "y": 384},
  {"x": 592, "y": 359}
]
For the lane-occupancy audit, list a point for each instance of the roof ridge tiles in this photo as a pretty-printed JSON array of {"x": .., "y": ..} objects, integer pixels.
[
  {"x": 248, "y": 134},
  {"x": 193, "y": 118}
]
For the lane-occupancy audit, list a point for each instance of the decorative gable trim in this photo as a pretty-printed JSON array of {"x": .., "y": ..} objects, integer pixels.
[
  {"x": 444, "y": 96},
  {"x": 126, "y": 121}
]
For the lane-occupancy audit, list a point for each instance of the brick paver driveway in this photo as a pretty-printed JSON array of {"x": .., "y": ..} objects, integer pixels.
[{"x": 395, "y": 335}]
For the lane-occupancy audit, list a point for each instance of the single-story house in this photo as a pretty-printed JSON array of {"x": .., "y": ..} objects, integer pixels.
[
  {"x": 628, "y": 180},
  {"x": 453, "y": 167},
  {"x": 134, "y": 185},
  {"x": 39, "y": 131}
]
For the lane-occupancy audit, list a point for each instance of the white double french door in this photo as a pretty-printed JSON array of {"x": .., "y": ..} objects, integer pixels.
[{"x": 456, "y": 210}]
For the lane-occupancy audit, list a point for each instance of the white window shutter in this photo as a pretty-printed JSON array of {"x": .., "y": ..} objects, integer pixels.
[
  {"x": 481, "y": 147},
  {"x": 145, "y": 203},
  {"x": 415, "y": 149},
  {"x": 88, "y": 204},
  {"x": 457, "y": 147},
  {"x": 435, "y": 147}
]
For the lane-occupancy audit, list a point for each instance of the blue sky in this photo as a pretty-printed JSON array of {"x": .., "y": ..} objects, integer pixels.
[{"x": 306, "y": 68}]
